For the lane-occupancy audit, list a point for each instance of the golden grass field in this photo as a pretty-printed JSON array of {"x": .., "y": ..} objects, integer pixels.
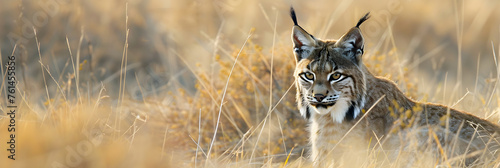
[{"x": 209, "y": 83}]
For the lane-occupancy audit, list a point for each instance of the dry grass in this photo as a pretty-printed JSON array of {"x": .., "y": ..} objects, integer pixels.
[{"x": 209, "y": 83}]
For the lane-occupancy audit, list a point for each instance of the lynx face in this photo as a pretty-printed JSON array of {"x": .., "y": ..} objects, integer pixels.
[{"x": 328, "y": 74}]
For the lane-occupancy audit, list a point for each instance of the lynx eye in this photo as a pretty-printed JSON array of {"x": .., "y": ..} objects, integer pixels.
[
  {"x": 308, "y": 76},
  {"x": 335, "y": 76}
]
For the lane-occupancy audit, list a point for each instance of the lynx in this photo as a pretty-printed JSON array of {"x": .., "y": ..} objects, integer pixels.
[{"x": 344, "y": 102}]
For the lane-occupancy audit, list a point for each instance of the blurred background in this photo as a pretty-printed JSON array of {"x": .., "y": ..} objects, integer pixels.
[{"x": 148, "y": 78}]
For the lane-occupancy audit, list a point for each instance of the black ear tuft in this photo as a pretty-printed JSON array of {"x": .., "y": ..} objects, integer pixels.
[
  {"x": 292, "y": 14},
  {"x": 363, "y": 19}
]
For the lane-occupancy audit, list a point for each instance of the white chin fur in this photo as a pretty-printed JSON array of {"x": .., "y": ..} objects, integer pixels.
[{"x": 337, "y": 111}]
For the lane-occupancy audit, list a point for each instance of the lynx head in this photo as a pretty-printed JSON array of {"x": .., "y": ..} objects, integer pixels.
[{"x": 328, "y": 75}]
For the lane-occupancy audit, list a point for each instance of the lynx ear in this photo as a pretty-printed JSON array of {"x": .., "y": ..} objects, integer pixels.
[
  {"x": 352, "y": 43},
  {"x": 303, "y": 42}
]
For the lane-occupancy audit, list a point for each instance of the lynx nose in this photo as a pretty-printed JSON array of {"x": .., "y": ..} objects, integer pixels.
[{"x": 319, "y": 97}]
